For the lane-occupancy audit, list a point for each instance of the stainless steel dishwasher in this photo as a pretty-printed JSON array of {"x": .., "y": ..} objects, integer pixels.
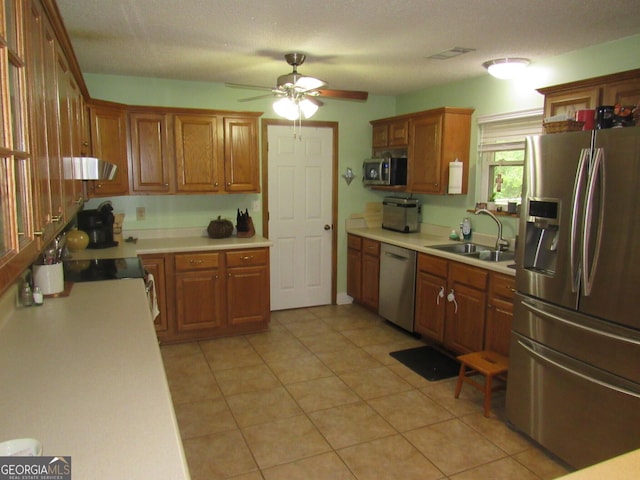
[{"x": 397, "y": 285}]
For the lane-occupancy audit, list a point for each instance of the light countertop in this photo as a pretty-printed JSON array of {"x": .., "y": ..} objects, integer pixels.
[
  {"x": 422, "y": 241},
  {"x": 169, "y": 243},
  {"x": 623, "y": 467},
  {"x": 83, "y": 374}
]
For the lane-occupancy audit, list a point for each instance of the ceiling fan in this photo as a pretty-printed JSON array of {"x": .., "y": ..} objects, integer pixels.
[{"x": 297, "y": 94}]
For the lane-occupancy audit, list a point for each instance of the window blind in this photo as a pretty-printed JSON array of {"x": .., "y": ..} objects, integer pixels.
[{"x": 508, "y": 132}]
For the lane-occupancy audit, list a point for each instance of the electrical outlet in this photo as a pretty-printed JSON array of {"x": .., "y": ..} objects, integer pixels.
[{"x": 141, "y": 213}]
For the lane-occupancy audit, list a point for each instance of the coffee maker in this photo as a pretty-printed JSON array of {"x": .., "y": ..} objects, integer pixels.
[{"x": 98, "y": 224}]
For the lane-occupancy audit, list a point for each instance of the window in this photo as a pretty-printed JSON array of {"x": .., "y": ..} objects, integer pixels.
[{"x": 501, "y": 153}]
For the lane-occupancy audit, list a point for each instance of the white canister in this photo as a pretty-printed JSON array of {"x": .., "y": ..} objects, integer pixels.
[{"x": 50, "y": 278}]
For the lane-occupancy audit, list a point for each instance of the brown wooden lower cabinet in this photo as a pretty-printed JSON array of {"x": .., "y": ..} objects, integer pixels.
[
  {"x": 499, "y": 313},
  {"x": 210, "y": 294},
  {"x": 363, "y": 271},
  {"x": 480, "y": 317},
  {"x": 155, "y": 265}
]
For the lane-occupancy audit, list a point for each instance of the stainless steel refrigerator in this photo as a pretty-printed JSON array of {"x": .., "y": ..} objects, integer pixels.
[{"x": 574, "y": 374}]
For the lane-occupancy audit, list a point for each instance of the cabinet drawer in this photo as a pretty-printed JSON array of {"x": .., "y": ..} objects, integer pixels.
[
  {"x": 467, "y": 275},
  {"x": 502, "y": 286},
  {"x": 371, "y": 247},
  {"x": 196, "y": 261},
  {"x": 433, "y": 265},
  {"x": 354, "y": 242},
  {"x": 243, "y": 258}
]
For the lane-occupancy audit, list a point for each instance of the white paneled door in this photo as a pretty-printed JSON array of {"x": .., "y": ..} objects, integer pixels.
[{"x": 300, "y": 173}]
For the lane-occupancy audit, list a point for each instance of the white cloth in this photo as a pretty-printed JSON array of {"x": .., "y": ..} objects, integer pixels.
[{"x": 152, "y": 297}]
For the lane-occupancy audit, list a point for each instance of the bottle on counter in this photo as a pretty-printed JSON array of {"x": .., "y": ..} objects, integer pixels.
[
  {"x": 465, "y": 228},
  {"x": 26, "y": 295},
  {"x": 38, "y": 297}
]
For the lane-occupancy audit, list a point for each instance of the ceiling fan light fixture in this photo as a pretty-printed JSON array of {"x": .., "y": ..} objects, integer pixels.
[
  {"x": 308, "y": 108},
  {"x": 287, "y": 108},
  {"x": 506, "y": 68}
]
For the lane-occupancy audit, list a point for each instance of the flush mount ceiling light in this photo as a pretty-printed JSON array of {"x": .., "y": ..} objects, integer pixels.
[{"x": 506, "y": 68}]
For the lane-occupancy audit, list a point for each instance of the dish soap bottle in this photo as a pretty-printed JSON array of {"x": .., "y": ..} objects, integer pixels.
[{"x": 465, "y": 228}]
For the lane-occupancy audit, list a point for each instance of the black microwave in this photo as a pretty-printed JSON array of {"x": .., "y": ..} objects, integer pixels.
[{"x": 384, "y": 171}]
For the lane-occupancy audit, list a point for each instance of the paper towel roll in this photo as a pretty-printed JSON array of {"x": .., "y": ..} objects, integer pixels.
[{"x": 455, "y": 177}]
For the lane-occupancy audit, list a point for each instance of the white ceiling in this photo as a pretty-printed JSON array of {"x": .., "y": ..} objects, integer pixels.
[{"x": 379, "y": 46}]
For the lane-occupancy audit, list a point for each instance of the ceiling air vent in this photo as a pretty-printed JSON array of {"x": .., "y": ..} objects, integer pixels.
[{"x": 452, "y": 52}]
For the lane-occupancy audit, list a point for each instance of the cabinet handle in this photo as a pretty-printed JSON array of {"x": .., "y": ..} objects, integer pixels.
[
  {"x": 452, "y": 298},
  {"x": 38, "y": 233},
  {"x": 440, "y": 295},
  {"x": 79, "y": 201},
  {"x": 99, "y": 185},
  {"x": 228, "y": 184},
  {"x": 247, "y": 258},
  {"x": 195, "y": 262},
  {"x": 56, "y": 218},
  {"x": 215, "y": 184}
]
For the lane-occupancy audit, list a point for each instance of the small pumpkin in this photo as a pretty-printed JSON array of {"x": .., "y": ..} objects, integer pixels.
[
  {"x": 220, "y": 228},
  {"x": 76, "y": 240}
]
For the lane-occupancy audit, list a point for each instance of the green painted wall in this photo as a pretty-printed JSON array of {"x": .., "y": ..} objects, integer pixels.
[{"x": 483, "y": 93}]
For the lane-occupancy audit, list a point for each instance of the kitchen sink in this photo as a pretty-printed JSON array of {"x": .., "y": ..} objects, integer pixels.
[
  {"x": 493, "y": 255},
  {"x": 474, "y": 250},
  {"x": 462, "y": 248}
]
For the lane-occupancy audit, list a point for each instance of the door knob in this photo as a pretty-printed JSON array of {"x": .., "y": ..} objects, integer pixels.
[{"x": 327, "y": 227}]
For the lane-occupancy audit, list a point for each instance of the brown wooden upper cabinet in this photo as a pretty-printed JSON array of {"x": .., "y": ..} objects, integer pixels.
[
  {"x": 174, "y": 151},
  {"x": 430, "y": 139},
  {"x": 390, "y": 133},
  {"x": 619, "y": 88},
  {"x": 109, "y": 143}
]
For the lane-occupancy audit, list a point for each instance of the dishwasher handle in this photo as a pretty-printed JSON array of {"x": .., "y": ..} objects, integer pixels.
[{"x": 396, "y": 256}]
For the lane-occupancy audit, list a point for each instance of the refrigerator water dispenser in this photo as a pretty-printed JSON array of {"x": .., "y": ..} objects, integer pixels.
[{"x": 541, "y": 236}]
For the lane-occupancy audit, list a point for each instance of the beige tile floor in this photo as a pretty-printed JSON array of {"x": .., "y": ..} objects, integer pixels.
[{"x": 319, "y": 397}]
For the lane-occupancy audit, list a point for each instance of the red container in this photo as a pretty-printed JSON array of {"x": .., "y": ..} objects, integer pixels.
[{"x": 588, "y": 117}]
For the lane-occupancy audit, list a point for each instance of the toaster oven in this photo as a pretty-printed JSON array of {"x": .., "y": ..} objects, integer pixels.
[
  {"x": 385, "y": 171},
  {"x": 400, "y": 214}
]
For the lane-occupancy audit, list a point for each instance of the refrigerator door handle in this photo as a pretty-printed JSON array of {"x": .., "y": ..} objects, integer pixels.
[
  {"x": 581, "y": 174},
  {"x": 589, "y": 268},
  {"x": 614, "y": 336},
  {"x": 544, "y": 358}
]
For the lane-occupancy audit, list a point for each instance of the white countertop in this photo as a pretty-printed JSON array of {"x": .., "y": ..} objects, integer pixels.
[
  {"x": 421, "y": 242},
  {"x": 193, "y": 243},
  {"x": 623, "y": 467},
  {"x": 83, "y": 374}
]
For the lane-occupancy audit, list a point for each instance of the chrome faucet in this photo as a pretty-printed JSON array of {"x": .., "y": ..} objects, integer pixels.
[{"x": 501, "y": 243}]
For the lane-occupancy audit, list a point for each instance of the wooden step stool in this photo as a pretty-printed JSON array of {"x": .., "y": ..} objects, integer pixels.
[{"x": 487, "y": 363}]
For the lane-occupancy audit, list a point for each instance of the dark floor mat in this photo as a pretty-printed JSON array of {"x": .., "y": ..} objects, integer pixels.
[{"x": 428, "y": 362}]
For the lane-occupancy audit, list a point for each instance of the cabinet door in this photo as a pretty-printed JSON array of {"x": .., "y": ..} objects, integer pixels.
[
  {"x": 566, "y": 103},
  {"x": 109, "y": 143},
  {"x": 198, "y": 168},
  {"x": 399, "y": 133},
  {"x": 497, "y": 335},
  {"x": 39, "y": 133},
  {"x": 499, "y": 320},
  {"x": 247, "y": 295},
  {"x": 424, "y": 168},
  {"x": 155, "y": 265},
  {"x": 241, "y": 169},
  {"x": 354, "y": 274},
  {"x": 199, "y": 300},
  {"x": 430, "y": 306},
  {"x": 370, "y": 281},
  {"x": 380, "y": 135},
  {"x": 465, "y": 319},
  {"x": 149, "y": 157},
  {"x": 622, "y": 93}
]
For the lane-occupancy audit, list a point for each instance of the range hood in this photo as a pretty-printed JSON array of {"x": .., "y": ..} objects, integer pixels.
[{"x": 88, "y": 168}]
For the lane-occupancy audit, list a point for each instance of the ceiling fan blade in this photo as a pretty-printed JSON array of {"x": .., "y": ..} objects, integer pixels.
[
  {"x": 250, "y": 87},
  {"x": 345, "y": 94},
  {"x": 255, "y": 98},
  {"x": 314, "y": 100}
]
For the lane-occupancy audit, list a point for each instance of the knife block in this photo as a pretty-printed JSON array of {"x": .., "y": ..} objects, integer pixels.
[{"x": 249, "y": 232}]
